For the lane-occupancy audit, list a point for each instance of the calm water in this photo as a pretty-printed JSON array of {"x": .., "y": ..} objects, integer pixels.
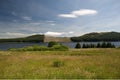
[{"x": 5, "y": 46}]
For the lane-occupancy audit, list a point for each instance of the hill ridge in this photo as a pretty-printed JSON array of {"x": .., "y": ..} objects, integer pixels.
[{"x": 94, "y": 36}]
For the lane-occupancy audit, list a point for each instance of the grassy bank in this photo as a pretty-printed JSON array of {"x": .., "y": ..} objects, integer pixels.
[{"x": 78, "y": 63}]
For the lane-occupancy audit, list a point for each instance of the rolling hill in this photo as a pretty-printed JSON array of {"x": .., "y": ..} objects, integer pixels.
[
  {"x": 90, "y": 37},
  {"x": 103, "y": 36},
  {"x": 33, "y": 38}
]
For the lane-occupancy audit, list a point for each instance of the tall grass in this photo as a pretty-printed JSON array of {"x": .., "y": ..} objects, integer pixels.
[{"x": 86, "y": 63}]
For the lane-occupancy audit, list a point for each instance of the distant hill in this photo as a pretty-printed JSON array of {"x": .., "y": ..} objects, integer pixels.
[
  {"x": 57, "y": 39},
  {"x": 33, "y": 38},
  {"x": 37, "y": 39},
  {"x": 91, "y": 37},
  {"x": 103, "y": 36}
]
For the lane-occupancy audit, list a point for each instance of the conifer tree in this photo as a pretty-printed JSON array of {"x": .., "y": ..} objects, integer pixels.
[{"x": 78, "y": 46}]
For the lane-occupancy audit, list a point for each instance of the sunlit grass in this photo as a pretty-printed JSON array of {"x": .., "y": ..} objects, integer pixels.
[{"x": 78, "y": 63}]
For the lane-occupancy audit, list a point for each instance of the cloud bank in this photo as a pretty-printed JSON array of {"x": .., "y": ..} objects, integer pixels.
[
  {"x": 77, "y": 13},
  {"x": 49, "y": 33},
  {"x": 54, "y": 33}
]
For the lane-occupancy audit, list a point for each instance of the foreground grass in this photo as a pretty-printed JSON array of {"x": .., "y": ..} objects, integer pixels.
[{"x": 78, "y": 63}]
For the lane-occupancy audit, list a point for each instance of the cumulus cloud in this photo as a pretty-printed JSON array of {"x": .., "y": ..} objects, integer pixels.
[
  {"x": 67, "y": 15},
  {"x": 54, "y": 33},
  {"x": 83, "y": 12},
  {"x": 49, "y": 33},
  {"x": 27, "y": 18},
  {"x": 77, "y": 13}
]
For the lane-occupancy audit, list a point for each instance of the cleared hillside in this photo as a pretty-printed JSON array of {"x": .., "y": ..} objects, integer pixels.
[{"x": 56, "y": 39}]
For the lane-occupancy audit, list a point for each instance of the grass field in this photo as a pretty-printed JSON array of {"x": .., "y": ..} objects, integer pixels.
[{"x": 78, "y": 63}]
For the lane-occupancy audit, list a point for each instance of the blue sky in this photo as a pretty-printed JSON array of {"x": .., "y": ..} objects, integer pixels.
[{"x": 19, "y": 18}]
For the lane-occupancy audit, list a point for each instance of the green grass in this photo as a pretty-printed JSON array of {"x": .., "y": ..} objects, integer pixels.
[
  {"x": 78, "y": 63},
  {"x": 54, "y": 47}
]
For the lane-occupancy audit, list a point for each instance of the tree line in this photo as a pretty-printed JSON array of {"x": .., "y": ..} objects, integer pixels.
[{"x": 98, "y": 45}]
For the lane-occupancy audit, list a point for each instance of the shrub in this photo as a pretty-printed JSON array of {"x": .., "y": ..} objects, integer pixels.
[
  {"x": 11, "y": 49},
  {"x": 60, "y": 48},
  {"x": 58, "y": 63},
  {"x": 41, "y": 48},
  {"x": 52, "y": 43}
]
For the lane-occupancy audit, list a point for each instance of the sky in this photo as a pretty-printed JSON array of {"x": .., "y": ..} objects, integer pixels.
[{"x": 66, "y": 18}]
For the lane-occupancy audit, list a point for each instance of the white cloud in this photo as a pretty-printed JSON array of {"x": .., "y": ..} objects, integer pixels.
[
  {"x": 27, "y": 18},
  {"x": 71, "y": 32},
  {"x": 67, "y": 15},
  {"x": 83, "y": 12},
  {"x": 15, "y": 34},
  {"x": 49, "y": 33},
  {"x": 54, "y": 33},
  {"x": 77, "y": 13}
]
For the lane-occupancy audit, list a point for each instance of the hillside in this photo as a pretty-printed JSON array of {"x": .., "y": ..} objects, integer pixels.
[
  {"x": 103, "y": 36},
  {"x": 57, "y": 39},
  {"x": 91, "y": 37},
  {"x": 36, "y": 39},
  {"x": 33, "y": 38}
]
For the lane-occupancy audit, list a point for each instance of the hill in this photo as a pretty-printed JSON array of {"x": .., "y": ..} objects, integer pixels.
[
  {"x": 57, "y": 39},
  {"x": 103, "y": 36},
  {"x": 33, "y": 38},
  {"x": 91, "y": 37},
  {"x": 37, "y": 39}
]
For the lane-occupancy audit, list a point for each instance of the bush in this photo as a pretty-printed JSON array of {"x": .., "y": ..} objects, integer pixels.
[
  {"x": 60, "y": 48},
  {"x": 52, "y": 43},
  {"x": 12, "y": 49},
  {"x": 58, "y": 63},
  {"x": 41, "y": 48}
]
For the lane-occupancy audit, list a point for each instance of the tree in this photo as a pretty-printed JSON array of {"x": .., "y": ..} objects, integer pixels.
[
  {"x": 92, "y": 45},
  {"x": 103, "y": 45},
  {"x": 84, "y": 46},
  {"x": 78, "y": 45},
  {"x": 109, "y": 45},
  {"x": 98, "y": 45},
  {"x": 112, "y": 46},
  {"x": 52, "y": 43}
]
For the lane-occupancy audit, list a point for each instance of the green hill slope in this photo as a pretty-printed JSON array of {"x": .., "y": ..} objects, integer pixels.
[
  {"x": 103, "y": 36},
  {"x": 33, "y": 38}
]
